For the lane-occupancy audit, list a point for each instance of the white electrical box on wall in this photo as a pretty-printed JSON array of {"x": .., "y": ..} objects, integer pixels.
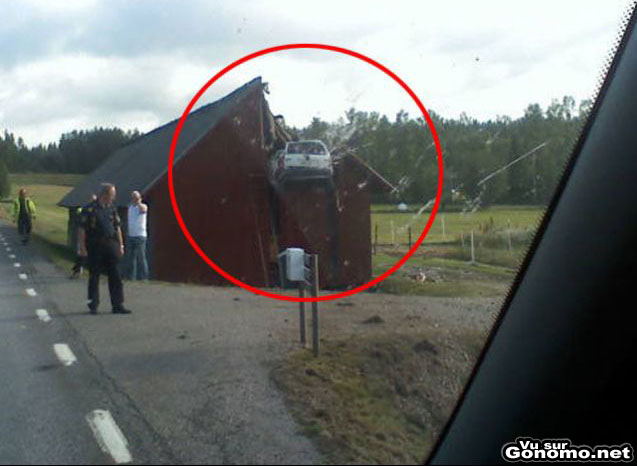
[{"x": 295, "y": 264}]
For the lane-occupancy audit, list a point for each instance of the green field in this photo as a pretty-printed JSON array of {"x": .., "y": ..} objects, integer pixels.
[
  {"x": 519, "y": 219},
  {"x": 53, "y": 179},
  {"x": 501, "y": 236}
]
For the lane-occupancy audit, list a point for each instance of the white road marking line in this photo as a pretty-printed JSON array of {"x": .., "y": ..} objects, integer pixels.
[
  {"x": 31, "y": 292},
  {"x": 64, "y": 354},
  {"x": 108, "y": 435},
  {"x": 8, "y": 249},
  {"x": 11, "y": 256},
  {"x": 23, "y": 276},
  {"x": 43, "y": 315},
  {"x": 17, "y": 264}
]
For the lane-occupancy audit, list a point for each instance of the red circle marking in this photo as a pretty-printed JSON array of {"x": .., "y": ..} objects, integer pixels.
[{"x": 329, "y": 297}]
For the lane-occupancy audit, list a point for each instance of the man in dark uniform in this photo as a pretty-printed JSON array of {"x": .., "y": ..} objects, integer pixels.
[{"x": 100, "y": 238}]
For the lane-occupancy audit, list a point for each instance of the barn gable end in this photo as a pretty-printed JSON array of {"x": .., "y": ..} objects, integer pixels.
[{"x": 221, "y": 189}]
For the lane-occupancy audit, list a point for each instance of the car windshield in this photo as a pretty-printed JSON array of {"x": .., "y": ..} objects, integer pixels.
[{"x": 311, "y": 148}]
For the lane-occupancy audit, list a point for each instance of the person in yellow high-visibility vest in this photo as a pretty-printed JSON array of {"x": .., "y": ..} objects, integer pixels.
[{"x": 24, "y": 214}]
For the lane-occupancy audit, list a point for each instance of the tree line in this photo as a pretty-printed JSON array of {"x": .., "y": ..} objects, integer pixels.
[
  {"x": 76, "y": 152},
  {"x": 403, "y": 151},
  {"x": 530, "y": 151}
]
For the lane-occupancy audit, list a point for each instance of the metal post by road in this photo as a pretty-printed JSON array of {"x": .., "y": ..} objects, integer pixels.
[
  {"x": 302, "y": 314},
  {"x": 315, "y": 316}
]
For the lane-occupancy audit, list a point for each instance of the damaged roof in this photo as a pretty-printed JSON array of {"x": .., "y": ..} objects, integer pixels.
[
  {"x": 139, "y": 164},
  {"x": 379, "y": 182}
]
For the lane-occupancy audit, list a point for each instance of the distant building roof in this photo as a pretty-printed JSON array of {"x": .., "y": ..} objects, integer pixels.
[{"x": 139, "y": 164}]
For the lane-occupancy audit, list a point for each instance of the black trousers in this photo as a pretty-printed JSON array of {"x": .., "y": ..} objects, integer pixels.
[
  {"x": 102, "y": 258},
  {"x": 24, "y": 225}
]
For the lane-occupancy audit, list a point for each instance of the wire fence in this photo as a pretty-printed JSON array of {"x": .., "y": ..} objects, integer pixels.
[{"x": 488, "y": 244}]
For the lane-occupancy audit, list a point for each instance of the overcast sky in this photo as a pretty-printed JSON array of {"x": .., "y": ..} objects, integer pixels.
[{"x": 136, "y": 64}]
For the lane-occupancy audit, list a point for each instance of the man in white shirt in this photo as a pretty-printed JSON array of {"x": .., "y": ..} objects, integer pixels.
[{"x": 137, "y": 215}]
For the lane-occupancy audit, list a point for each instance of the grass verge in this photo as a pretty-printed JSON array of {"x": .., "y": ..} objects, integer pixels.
[{"x": 377, "y": 400}]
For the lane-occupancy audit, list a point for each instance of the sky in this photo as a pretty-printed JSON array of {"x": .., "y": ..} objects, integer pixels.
[{"x": 78, "y": 64}]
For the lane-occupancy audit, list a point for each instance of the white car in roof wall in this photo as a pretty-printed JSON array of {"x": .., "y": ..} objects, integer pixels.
[{"x": 301, "y": 160}]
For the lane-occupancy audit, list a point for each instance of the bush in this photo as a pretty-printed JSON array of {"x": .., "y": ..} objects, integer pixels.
[{"x": 5, "y": 184}]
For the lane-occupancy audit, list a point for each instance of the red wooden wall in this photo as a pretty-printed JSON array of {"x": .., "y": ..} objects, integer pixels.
[
  {"x": 220, "y": 188},
  {"x": 338, "y": 230}
]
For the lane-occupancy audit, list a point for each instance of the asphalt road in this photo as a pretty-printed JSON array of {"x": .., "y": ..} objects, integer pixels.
[
  {"x": 44, "y": 403},
  {"x": 185, "y": 377}
]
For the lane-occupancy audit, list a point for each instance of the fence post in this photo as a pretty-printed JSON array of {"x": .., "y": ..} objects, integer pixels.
[
  {"x": 375, "y": 237},
  {"x": 473, "y": 252},
  {"x": 444, "y": 235},
  {"x": 315, "y": 316},
  {"x": 409, "y": 236},
  {"x": 393, "y": 233},
  {"x": 302, "y": 325},
  {"x": 509, "y": 235}
]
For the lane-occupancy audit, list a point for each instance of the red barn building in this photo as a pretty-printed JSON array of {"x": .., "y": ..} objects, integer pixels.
[{"x": 227, "y": 203}]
